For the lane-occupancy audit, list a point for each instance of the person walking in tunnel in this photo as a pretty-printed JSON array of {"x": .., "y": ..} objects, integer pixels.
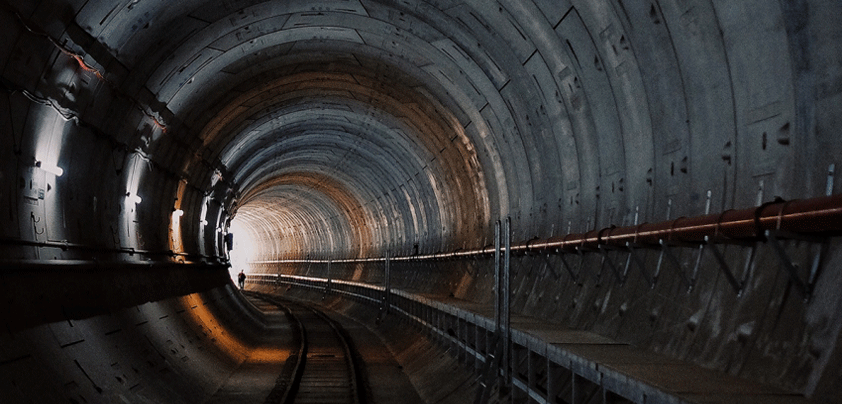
[{"x": 241, "y": 279}]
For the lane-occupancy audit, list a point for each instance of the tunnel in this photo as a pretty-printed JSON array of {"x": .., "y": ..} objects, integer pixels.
[{"x": 554, "y": 201}]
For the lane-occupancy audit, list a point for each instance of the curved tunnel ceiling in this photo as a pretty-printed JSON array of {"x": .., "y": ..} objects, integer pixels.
[
  {"x": 348, "y": 127},
  {"x": 333, "y": 121},
  {"x": 139, "y": 132},
  {"x": 391, "y": 103}
]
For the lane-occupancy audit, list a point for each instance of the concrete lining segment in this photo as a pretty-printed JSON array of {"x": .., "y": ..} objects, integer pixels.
[
  {"x": 719, "y": 106},
  {"x": 415, "y": 150},
  {"x": 327, "y": 94},
  {"x": 94, "y": 288},
  {"x": 457, "y": 220},
  {"x": 255, "y": 377},
  {"x": 185, "y": 349}
]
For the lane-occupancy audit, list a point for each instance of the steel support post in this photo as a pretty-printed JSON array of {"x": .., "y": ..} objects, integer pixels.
[
  {"x": 498, "y": 281},
  {"x": 387, "y": 295},
  {"x": 479, "y": 347},
  {"x": 535, "y": 363},
  {"x": 327, "y": 284},
  {"x": 506, "y": 293},
  {"x": 577, "y": 389},
  {"x": 554, "y": 382}
]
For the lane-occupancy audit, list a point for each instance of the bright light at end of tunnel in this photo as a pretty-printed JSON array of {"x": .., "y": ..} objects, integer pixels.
[{"x": 244, "y": 250}]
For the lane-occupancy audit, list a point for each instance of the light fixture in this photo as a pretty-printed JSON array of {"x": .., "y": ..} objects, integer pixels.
[
  {"x": 134, "y": 198},
  {"x": 52, "y": 169},
  {"x": 178, "y": 213}
]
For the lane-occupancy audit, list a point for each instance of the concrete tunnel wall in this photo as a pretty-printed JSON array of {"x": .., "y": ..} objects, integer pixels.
[{"x": 138, "y": 134}]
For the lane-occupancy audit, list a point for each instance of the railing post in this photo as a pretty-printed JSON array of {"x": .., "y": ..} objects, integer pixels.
[
  {"x": 387, "y": 287},
  {"x": 327, "y": 284},
  {"x": 506, "y": 293},
  {"x": 498, "y": 281}
]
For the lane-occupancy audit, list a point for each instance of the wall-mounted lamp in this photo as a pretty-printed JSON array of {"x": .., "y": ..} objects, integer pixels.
[
  {"x": 52, "y": 169},
  {"x": 134, "y": 198}
]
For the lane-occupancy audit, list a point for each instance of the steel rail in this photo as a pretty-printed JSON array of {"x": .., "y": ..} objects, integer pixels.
[{"x": 304, "y": 379}]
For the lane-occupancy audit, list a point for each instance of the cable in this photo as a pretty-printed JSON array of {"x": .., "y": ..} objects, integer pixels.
[{"x": 82, "y": 64}]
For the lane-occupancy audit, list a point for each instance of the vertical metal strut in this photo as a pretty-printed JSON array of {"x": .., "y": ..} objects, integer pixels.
[
  {"x": 387, "y": 286},
  {"x": 327, "y": 284},
  {"x": 498, "y": 280},
  {"x": 507, "y": 293}
]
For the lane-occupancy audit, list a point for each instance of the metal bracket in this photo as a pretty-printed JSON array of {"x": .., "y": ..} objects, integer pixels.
[
  {"x": 569, "y": 269},
  {"x": 723, "y": 265},
  {"x": 581, "y": 254},
  {"x": 550, "y": 265},
  {"x": 477, "y": 267},
  {"x": 805, "y": 286},
  {"x": 632, "y": 248},
  {"x": 564, "y": 263},
  {"x": 606, "y": 258},
  {"x": 666, "y": 251},
  {"x": 695, "y": 275}
]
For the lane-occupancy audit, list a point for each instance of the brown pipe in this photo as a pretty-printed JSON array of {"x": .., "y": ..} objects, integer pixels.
[{"x": 817, "y": 216}]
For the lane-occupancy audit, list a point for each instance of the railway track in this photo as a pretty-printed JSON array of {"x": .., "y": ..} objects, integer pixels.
[{"x": 324, "y": 369}]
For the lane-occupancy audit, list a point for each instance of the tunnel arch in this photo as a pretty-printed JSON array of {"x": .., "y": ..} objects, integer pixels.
[{"x": 346, "y": 129}]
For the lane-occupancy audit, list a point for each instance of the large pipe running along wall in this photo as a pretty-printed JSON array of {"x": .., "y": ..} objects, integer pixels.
[
  {"x": 139, "y": 133},
  {"x": 818, "y": 217}
]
